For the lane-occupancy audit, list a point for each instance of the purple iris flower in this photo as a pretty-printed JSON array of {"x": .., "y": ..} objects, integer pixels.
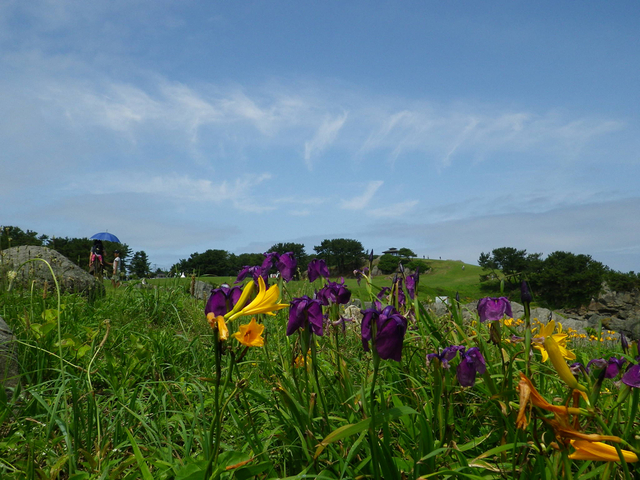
[
  {"x": 287, "y": 265},
  {"x": 412, "y": 283},
  {"x": 613, "y": 366},
  {"x": 270, "y": 259},
  {"x": 305, "y": 312},
  {"x": 578, "y": 367},
  {"x": 494, "y": 308},
  {"x": 390, "y": 328},
  {"x": 334, "y": 292},
  {"x": 383, "y": 293},
  {"x": 598, "y": 364},
  {"x": 222, "y": 300},
  {"x": 397, "y": 289},
  {"x": 342, "y": 321},
  {"x": 446, "y": 355},
  {"x": 472, "y": 363},
  {"x": 624, "y": 342},
  {"x": 317, "y": 268},
  {"x": 632, "y": 377},
  {"x": 359, "y": 274},
  {"x": 254, "y": 272},
  {"x": 525, "y": 294}
]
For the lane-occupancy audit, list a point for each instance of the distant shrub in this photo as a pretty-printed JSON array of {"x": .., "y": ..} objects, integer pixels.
[
  {"x": 389, "y": 263},
  {"x": 413, "y": 264},
  {"x": 622, "y": 282}
]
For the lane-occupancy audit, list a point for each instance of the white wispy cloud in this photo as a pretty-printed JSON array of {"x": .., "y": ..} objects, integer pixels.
[
  {"x": 300, "y": 213},
  {"x": 447, "y": 131},
  {"x": 393, "y": 210},
  {"x": 324, "y": 136},
  {"x": 181, "y": 187},
  {"x": 361, "y": 201}
]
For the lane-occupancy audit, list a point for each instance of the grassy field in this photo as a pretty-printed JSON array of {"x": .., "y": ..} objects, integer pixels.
[{"x": 140, "y": 385}]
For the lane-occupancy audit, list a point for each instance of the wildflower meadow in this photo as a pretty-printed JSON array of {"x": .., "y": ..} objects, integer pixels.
[{"x": 295, "y": 378}]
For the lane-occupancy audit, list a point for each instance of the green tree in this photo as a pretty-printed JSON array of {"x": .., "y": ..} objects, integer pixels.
[
  {"x": 513, "y": 263},
  {"x": 568, "y": 280},
  {"x": 238, "y": 262},
  {"x": 211, "y": 262},
  {"x": 622, "y": 282},
  {"x": 389, "y": 263},
  {"x": 140, "y": 265},
  {"x": 14, "y": 236},
  {"x": 342, "y": 254},
  {"x": 406, "y": 252}
]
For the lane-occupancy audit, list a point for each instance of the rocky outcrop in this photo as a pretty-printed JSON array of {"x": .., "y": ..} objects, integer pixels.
[
  {"x": 71, "y": 278},
  {"x": 9, "y": 372},
  {"x": 619, "y": 311}
]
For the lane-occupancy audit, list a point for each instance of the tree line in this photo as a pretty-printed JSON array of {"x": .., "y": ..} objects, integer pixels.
[
  {"x": 342, "y": 255},
  {"x": 562, "y": 279}
]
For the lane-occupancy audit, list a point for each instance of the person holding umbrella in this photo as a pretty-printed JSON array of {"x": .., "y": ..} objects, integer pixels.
[
  {"x": 96, "y": 262},
  {"x": 97, "y": 252}
]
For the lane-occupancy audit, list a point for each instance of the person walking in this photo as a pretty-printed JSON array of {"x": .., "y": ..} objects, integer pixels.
[{"x": 117, "y": 268}]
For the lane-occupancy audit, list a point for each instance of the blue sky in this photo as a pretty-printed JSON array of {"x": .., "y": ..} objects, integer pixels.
[{"x": 451, "y": 128}]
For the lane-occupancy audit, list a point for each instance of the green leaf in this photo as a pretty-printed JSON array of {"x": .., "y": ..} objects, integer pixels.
[
  {"x": 351, "y": 429},
  {"x": 146, "y": 474},
  {"x": 79, "y": 476}
]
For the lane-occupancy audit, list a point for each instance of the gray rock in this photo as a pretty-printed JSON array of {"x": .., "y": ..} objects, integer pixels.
[
  {"x": 202, "y": 290},
  {"x": 9, "y": 371},
  {"x": 71, "y": 278},
  {"x": 615, "y": 311},
  {"x": 356, "y": 302}
]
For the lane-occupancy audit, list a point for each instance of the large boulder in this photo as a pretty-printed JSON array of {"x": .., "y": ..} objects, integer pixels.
[
  {"x": 9, "y": 372},
  {"x": 71, "y": 278},
  {"x": 201, "y": 290}
]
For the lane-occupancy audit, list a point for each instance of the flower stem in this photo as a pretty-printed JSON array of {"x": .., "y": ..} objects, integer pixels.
[
  {"x": 633, "y": 410},
  {"x": 527, "y": 338},
  {"x": 373, "y": 437}
]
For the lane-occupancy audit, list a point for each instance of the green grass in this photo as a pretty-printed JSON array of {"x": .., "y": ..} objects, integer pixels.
[{"x": 145, "y": 391}]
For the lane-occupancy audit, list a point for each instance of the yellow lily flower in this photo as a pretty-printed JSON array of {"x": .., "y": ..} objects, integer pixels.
[
  {"x": 246, "y": 292},
  {"x": 299, "y": 361},
  {"x": 266, "y": 301},
  {"x": 586, "y": 450},
  {"x": 557, "y": 354},
  {"x": 218, "y": 323},
  {"x": 251, "y": 334},
  {"x": 559, "y": 337}
]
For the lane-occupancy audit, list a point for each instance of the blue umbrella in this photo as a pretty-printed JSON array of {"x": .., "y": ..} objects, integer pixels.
[{"x": 109, "y": 237}]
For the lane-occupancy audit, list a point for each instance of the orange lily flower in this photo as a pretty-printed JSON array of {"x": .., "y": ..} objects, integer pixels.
[
  {"x": 218, "y": 323},
  {"x": 250, "y": 335},
  {"x": 529, "y": 394}
]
